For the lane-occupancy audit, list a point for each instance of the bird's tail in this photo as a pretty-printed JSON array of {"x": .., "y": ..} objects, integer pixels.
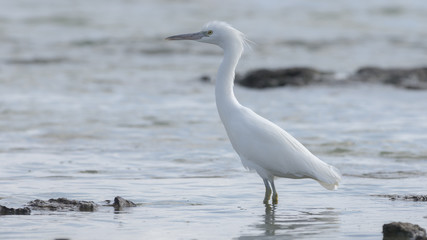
[{"x": 329, "y": 177}]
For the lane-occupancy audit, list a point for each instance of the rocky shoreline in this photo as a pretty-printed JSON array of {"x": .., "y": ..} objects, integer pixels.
[
  {"x": 407, "y": 78},
  {"x": 64, "y": 204},
  {"x": 415, "y": 198}
]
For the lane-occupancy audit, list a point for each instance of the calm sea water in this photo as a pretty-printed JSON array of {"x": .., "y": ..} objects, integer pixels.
[{"x": 94, "y": 104}]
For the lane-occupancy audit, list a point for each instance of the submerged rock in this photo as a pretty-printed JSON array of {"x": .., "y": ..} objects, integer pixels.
[
  {"x": 63, "y": 204},
  {"x": 14, "y": 211},
  {"x": 411, "y": 78},
  {"x": 120, "y": 203},
  {"x": 414, "y": 198},
  {"x": 299, "y": 76},
  {"x": 401, "y": 230}
]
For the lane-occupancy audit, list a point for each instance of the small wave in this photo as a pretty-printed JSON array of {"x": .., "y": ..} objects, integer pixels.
[
  {"x": 389, "y": 175},
  {"x": 89, "y": 171},
  {"x": 57, "y": 177},
  {"x": 403, "y": 155},
  {"x": 37, "y": 61}
]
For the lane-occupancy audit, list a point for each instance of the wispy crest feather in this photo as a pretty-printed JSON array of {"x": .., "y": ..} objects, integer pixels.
[{"x": 246, "y": 43}]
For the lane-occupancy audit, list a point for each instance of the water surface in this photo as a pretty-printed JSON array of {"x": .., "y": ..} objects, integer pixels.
[{"x": 94, "y": 104}]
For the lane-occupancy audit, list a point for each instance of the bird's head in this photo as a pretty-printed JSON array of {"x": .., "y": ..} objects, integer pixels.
[{"x": 217, "y": 33}]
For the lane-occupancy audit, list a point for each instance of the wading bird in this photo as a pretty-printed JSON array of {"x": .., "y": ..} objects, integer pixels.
[{"x": 261, "y": 145}]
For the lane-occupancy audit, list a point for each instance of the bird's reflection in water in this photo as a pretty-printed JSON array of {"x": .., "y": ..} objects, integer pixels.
[
  {"x": 309, "y": 222},
  {"x": 269, "y": 219}
]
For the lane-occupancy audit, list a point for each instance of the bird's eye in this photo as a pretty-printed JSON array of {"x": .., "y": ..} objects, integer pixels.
[{"x": 210, "y": 32}]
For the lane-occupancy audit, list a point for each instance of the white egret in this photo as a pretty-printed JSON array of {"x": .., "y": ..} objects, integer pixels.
[{"x": 261, "y": 145}]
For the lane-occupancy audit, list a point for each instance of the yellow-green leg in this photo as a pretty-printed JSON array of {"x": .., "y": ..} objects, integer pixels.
[
  {"x": 275, "y": 195},
  {"x": 267, "y": 191}
]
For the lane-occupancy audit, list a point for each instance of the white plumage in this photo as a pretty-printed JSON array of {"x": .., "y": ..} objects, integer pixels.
[{"x": 261, "y": 145}]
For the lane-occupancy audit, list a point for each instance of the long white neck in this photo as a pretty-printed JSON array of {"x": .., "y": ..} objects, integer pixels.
[{"x": 224, "y": 95}]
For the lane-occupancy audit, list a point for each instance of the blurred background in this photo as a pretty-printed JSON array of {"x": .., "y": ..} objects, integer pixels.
[{"x": 95, "y": 103}]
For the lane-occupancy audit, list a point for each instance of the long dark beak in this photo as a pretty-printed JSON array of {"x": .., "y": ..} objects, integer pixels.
[{"x": 188, "y": 36}]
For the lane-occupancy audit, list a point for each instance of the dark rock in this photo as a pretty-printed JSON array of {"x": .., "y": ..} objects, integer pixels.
[
  {"x": 14, "y": 211},
  {"x": 120, "y": 203},
  {"x": 415, "y": 198},
  {"x": 400, "y": 230},
  {"x": 411, "y": 78},
  {"x": 205, "y": 78},
  {"x": 299, "y": 76},
  {"x": 85, "y": 206},
  {"x": 63, "y": 204}
]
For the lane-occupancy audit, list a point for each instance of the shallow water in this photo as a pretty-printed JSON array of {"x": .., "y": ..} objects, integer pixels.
[{"x": 94, "y": 104}]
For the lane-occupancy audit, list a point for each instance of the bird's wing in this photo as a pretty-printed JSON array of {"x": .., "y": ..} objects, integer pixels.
[{"x": 262, "y": 145}]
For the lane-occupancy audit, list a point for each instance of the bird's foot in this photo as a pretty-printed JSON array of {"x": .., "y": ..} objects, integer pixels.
[
  {"x": 275, "y": 198},
  {"x": 267, "y": 196}
]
